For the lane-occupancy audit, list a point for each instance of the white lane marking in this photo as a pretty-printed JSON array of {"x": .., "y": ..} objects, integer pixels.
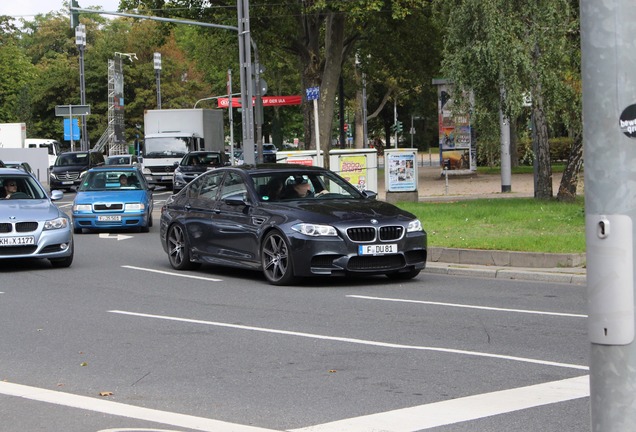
[
  {"x": 462, "y": 409},
  {"x": 123, "y": 410},
  {"x": 355, "y": 341},
  {"x": 115, "y": 236},
  {"x": 561, "y": 314},
  {"x": 173, "y": 274}
]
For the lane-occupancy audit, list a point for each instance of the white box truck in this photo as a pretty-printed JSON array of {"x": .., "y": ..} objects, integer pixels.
[
  {"x": 12, "y": 135},
  {"x": 171, "y": 133}
]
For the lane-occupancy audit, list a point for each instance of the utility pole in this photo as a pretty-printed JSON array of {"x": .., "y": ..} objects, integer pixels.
[
  {"x": 157, "y": 66},
  {"x": 609, "y": 108},
  {"x": 80, "y": 41}
]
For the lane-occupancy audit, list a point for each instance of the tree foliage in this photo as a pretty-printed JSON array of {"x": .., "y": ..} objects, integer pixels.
[{"x": 521, "y": 48}]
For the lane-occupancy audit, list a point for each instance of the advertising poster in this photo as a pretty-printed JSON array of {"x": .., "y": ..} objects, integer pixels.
[
  {"x": 456, "y": 134},
  {"x": 401, "y": 171},
  {"x": 354, "y": 170}
]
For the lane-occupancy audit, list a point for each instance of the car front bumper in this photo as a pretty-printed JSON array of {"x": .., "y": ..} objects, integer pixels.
[
  {"x": 127, "y": 220},
  {"x": 335, "y": 256},
  {"x": 48, "y": 244}
]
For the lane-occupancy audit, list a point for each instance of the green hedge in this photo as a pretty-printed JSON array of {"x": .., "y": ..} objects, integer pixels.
[{"x": 488, "y": 154}]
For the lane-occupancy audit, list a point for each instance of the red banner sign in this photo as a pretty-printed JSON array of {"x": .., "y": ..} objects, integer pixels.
[{"x": 267, "y": 101}]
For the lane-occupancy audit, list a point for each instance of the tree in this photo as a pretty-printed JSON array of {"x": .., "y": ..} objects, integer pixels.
[{"x": 521, "y": 47}]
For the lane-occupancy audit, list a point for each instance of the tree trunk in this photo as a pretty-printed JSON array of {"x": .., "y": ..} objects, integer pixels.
[
  {"x": 570, "y": 179},
  {"x": 543, "y": 180}
]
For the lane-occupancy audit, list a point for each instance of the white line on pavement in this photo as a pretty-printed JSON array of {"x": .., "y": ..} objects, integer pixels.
[
  {"x": 123, "y": 410},
  {"x": 460, "y": 410},
  {"x": 355, "y": 341},
  {"x": 173, "y": 274},
  {"x": 470, "y": 306}
]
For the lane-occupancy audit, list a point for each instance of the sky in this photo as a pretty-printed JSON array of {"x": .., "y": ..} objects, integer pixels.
[{"x": 28, "y": 8}]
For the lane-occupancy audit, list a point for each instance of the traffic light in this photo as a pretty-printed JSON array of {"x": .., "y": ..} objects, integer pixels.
[
  {"x": 397, "y": 127},
  {"x": 74, "y": 14}
]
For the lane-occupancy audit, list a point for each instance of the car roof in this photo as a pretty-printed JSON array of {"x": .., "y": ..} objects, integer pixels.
[
  {"x": 280, "y": 168},
  {"x": 114, "y": 168},
  {"x": 13, "y": 171}
]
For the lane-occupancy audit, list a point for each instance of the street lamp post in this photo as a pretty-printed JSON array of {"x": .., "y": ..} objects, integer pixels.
[
  {"x": 80, "y": 41},
  {"x": 158, "y": 78}
]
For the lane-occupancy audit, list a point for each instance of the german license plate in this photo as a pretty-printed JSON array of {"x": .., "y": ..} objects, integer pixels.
[
  {"x": 67, "y": 182},
  {"x": 164, "y": 178},
  {"x": 17, "y": 241},
  {"x": 377, "y": 249},
  {"x": 109, "y": 218}
]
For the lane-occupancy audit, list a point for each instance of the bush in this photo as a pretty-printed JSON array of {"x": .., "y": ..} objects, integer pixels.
[{"x": 488, "y": 153}]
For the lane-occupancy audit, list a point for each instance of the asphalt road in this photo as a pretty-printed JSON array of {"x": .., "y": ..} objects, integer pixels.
[{"x": 221, "y": 350}]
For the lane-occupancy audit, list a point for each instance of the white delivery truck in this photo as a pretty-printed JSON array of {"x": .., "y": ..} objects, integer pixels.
[
  {"x": 52, "y": 147},
  {"x": 171, "y": 133},
  {"x": 12, "y": 135}
]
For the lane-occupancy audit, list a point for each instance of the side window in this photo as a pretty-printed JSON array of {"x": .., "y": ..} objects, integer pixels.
[
  {"x": 234, "y": 187},
  {"x": 205, "y": 186}
]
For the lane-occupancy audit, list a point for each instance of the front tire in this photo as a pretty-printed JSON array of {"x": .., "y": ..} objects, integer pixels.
[
  {"x": 178, "y": 249},
  {"x": 63, "y": 262},
  {"x": 276, "y": 259}
]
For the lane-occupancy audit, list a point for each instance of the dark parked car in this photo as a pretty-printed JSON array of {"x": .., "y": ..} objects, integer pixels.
[
  {"x": 70, "y": 166},
  {"x": 31, "y": 225},
  {"x": 269, "y": 153},
  {"x": 255, "y": 218},
  {"x": 193, "y": 164}
]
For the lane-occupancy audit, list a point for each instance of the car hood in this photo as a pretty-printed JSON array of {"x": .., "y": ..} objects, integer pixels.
[
  {"x": 124, "y": 195},
  {"x": 347, "y": 210},
  {"x": 65, "y": 168},
  {"x": 193, "y": 169},
  {"x": 28, "y": 210}
]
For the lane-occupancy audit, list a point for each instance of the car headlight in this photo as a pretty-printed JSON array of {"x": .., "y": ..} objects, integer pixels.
[
  {"x": 58, "y": 223},
  {"x": 134, "y": 207},
  {"x": 315, "y": 230},
  {"x": 82, "y": 208},
  {"x": 414, "y": 225},
  {"x": 147, "y": 171}
]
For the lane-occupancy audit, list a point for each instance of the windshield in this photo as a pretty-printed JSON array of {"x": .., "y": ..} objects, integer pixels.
[
  {"x": 20, "y": 187},
  {"x": 202, "y": 159},
  {"x": 72, "y": 159},
  {"x": 111, "y": 180},
  {"x": 303, "y": 185},
  {"x": 156, "y": 148}
]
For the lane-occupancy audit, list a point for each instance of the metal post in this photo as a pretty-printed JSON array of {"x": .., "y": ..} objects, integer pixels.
[
  {"x": 317, "y": 132},
  {"x": 395, "y": 120},
  {"x": 506, "y": 170},
  {"x": 258, "y": 104},
  {"x": 609, "y": 83},
  {"x": 245, "y": 61},
  {"x": 157, "y": 66},
  {"x": 80, "y": 40},
  {"x": 365, "y": 130},
  {"x": 230, "y": 114}
]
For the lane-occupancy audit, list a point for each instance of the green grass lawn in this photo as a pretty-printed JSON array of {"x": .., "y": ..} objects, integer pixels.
[{"x": 514, "y": 224}]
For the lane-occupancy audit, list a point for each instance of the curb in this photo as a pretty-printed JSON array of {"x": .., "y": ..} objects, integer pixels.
[
  {"x": 575, "y": 276},
  {"x": 505, "y": 258}
]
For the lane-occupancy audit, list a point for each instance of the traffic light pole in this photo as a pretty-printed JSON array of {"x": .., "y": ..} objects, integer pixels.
[{"x": 609, "y": 109}]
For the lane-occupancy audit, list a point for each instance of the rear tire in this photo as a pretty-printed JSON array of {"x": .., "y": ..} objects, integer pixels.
[
  {"x": 276, "y": 260},
  {"x": 178, "y": 249}
]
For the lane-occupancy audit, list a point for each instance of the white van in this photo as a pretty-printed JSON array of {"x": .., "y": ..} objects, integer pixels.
[{"x": 52, "y": 146}]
